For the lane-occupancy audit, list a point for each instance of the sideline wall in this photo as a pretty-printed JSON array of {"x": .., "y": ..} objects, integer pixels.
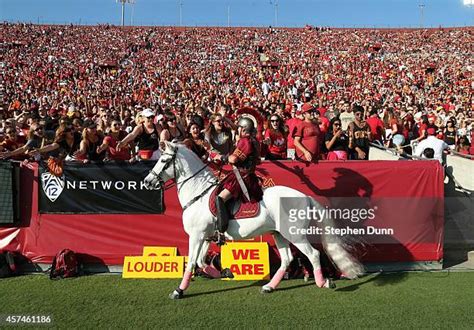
[{"x": 107, "y": 238}]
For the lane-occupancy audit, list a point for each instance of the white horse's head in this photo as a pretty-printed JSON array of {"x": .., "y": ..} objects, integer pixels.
[{"x": 165, "y": 167}]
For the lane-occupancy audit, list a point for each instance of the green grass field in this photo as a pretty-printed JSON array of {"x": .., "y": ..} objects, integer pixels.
[{"x": 404, "y": 300}]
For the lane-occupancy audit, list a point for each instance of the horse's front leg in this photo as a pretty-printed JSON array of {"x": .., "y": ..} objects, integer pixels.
[{"x": 195, "y": 245}]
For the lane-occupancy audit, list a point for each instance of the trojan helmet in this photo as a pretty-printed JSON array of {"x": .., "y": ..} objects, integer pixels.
[{"x": 247, "y": 124}]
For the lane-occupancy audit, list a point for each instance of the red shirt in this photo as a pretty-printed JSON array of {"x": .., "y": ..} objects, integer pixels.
[
  {"x": 310, "y": 139},
  {"x": 278, "y": 142},
  {"x": 123, "y": 154},
  {"x": 292, "y": 123},
  {"x": 376, "y": 127},
  {"x": 423, "y": 127},
  {"x": 394, "y": 122}
]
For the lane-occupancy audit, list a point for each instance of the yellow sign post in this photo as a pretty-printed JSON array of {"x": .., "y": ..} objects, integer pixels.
[{"x": 247, "y": 261}]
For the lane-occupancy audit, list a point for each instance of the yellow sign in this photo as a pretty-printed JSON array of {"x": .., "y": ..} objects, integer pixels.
[
  {"x": 247, "y": 261},
  {"x": 153, "y": 267},
  {"x": 158, "y": 251}
]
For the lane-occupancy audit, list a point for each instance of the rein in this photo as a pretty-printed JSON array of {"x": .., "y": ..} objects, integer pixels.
[{"x": 172, "y": 160}]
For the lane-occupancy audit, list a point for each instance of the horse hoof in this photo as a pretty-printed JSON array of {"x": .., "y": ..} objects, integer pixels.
[
  {"x": 227, "y": 273},
  {"x": 267, "y": 289},
  {"x": 329, "y": 284},
  {"x": 176, "y": 295}
]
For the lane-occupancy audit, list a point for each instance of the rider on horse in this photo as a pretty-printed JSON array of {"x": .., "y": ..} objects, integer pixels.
[{"x": 242, "y": 183}]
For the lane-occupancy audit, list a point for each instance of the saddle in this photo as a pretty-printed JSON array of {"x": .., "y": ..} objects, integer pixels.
[{"x": 237, "y": 209}]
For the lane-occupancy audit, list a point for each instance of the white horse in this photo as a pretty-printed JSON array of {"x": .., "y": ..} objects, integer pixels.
[{"x": 195, "y": 182}]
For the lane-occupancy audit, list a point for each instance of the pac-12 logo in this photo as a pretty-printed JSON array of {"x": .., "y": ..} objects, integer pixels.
[{"x": 52, "y": 185}]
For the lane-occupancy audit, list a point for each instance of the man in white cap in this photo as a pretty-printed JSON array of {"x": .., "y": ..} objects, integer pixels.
[{"x": 147, "y": 135}]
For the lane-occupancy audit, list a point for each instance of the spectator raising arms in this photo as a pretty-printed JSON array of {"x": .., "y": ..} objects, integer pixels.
[
  {"x": 89, "y": 147},
  {"x": 35, "y": 140},
  {"x": 11, "y": 142},
  {"x": 110, "y": 142},
  {"x": 65, "y": 144},
  {"x": 147, "y": 134}
]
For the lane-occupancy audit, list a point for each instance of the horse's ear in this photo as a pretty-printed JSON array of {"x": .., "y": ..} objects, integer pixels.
[{"x": 162, "y": 145}]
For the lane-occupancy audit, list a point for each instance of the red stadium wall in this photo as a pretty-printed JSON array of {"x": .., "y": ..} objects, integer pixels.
[{"x": 108, "y": 238}]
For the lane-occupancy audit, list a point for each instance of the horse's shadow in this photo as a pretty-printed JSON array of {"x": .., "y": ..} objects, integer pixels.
[
  {"x": 379, "y": 279},
  {"x": 254, "y": 284}
]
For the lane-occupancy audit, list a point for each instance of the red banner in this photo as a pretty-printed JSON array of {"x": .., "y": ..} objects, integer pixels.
[{"x": 108, "y": 238}]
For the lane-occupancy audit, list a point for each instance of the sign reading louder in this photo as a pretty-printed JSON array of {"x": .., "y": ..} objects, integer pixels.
[
  {"x": 247, "y": 261},
  {"x": 153, "y": 267}
]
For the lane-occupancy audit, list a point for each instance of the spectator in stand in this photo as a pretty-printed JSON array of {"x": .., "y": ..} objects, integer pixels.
[
  {"x": 172, "y": 130},
  {"x": 65, "y": 144},
  {"x": 396, "y": 130},
  {"x": 291, "y": 124},
  {"x": 377, "y": 129},
  {"x": 323, "y": 123},
  {"x": 439, "y": 146},
  {"x": 450, "y": 136},
  {"x": 207, "y": 68},
  {"x": 359, "y": 135},
  {"x": 307, "y": 136},
  {"x": 146, "y": 134},
  {"x": 219, "y": 136},
  {"x": 422, "y": 128},
  {"x": 11, "y": 142},
  {"x": 337, "y": 141},
  {"x": 52, "y": 120},
  {"x": 109, "y": 144},
  {"x": 463, "y": 145},
  {"x": 409, "y": 128},
  {"x": 275, "y": 139},
  {"x": 35, "y": 140},
  {"x": 346, "y": 116},
  {"x": 195, "y": 139},
  {"x": 90, "y": 143}
]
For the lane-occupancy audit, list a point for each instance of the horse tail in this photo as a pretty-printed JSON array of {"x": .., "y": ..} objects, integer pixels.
[{"x": 338, "y": 250}]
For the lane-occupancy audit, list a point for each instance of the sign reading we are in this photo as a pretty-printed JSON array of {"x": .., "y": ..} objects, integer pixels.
[{"x": 247, "y": 261}]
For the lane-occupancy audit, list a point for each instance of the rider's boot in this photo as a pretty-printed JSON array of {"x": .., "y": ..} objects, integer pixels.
[{"x": 222, "y": 220}]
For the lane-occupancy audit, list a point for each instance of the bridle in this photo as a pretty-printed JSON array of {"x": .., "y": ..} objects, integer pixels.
[{"x": 179, "y": 185}]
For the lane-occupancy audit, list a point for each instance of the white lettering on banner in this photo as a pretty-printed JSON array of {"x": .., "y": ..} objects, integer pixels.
[
  {"x": 107, "y": 185},
  {"x": 119, "y": 185}
]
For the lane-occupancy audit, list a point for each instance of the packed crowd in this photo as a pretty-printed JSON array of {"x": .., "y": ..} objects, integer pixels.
[{"x": 106, "y": 93}]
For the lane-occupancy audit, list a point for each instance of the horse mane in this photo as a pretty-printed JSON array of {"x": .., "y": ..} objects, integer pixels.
[{"x": 183, "y": 148}]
